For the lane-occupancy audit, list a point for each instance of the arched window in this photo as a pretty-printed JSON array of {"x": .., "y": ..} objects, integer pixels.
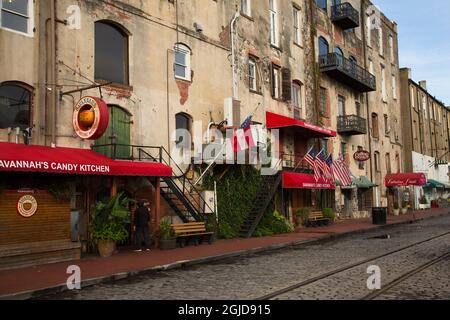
[
  {"x": 322, "y": 4},
  {"x": 182, "y": 62},
  {"x": 375, "y": 126},
  {"x": 111, "y": 52},
  {"x": 15, "y": 105},
  {"x": 339, "y": 55},
  {"x": 183, "y": 127},
  {"x": 323, "y": 46},
  {"x": 377, "y": 162}
]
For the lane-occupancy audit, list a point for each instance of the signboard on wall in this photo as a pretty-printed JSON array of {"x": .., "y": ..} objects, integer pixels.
[
  {"x": 90, "y": 118},
  {"x": 362, "y": 156},
  {"x": 27, "y": 206}
]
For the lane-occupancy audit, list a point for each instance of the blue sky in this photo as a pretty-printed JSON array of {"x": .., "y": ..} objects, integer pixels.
[{"x": 424, "y": 39}]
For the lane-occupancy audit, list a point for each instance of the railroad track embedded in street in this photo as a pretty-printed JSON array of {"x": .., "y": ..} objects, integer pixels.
[{"x": 357, "y": 264}]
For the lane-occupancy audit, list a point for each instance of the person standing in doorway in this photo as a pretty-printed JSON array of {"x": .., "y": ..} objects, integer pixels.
[{"x": 141, "y": 226}]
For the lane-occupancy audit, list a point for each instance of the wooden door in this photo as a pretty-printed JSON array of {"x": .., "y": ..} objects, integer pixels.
[{"x": 118, "y": 133}]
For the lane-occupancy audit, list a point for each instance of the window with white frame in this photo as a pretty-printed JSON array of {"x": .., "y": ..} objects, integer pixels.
[
  {"x": 297, "y": 26},
  {"x": 273, "y": 22},
  {"x": 391, "y": 48},
  {"x": 252, "y": 78},
  {"x": 371, "y": 70},
  {"x": 369, "y": 31},
  {"x": 380, "y": 41},
  {"x": 394, "y": 87},
  {"x": 276, "y": 82},
  {"x": 413, "y": 98},
  {"x": 17, "y": 15},
  {"x": 383, "y": 83},
  {"x": 182, "y": 62},
  {"x": 246, "y": 7},
  {"x": 297, "y": 99}
]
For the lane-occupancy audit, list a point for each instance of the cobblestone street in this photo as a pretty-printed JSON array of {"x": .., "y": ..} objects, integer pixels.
[{"x": 256, "y": 276}]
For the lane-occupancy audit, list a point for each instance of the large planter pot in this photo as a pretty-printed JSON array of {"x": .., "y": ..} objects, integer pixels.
[
  {"x": 168, "y": 244},
  {"x": 404, "y": 210},
  {"x": 396, "y": 212},
  {"x": 106, "y": 248}
]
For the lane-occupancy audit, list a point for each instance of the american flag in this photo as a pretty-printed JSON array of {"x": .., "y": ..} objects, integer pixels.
[
  {"x": 330, "y": 173},
  {"x": 320, "y": 159},
  {"x": 310, "y": 157},
  {"x": 342, "y": 172},
  {"x": 243, "y": 137}
]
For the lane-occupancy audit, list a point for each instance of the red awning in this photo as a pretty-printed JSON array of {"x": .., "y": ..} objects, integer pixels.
[
  {"x": 23, "y": 158},
  {"x": 293, "y": 180},
  {"x": 276, "y": 121},
  {"x": 406, "y": 179}
]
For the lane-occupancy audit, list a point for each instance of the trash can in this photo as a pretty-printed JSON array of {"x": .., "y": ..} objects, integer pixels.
[{"x": 379, "y": 216}]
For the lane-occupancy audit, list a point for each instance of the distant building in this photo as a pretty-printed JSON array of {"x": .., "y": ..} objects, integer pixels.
[{"x": 425, "y": 126}]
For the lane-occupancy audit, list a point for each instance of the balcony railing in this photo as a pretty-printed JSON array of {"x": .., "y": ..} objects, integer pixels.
[
  {"x": 352, "y": 125},
  {"x": 348, "y": 72},
  {"x": 345, "y": 16},
  {"x": 295, "y": 163}
]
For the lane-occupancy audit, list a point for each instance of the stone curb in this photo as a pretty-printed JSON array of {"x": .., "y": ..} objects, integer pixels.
[{"x": 186, "y": 263}]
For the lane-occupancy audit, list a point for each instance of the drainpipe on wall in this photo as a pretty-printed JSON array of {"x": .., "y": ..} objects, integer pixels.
[
  {"x": 233, "y": 56},
  {"x": 53, "y": 94},
  {"x": 363, "y": 35}
]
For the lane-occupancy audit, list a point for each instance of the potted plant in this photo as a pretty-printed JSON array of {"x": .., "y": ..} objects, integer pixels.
[
  {"x": 423, "y": 203},
  {"x": 108, "y": 224},
  {"x": 396, "y": 209},
  {"x": 329, "y": 213},
  {"x": 167, "y": 240},
  {"x": 302, "y": 216},
  {"x": 405, "y": 207}
]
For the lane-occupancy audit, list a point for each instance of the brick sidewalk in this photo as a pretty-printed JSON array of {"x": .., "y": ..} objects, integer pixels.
[{"x": 22, "y": 283}]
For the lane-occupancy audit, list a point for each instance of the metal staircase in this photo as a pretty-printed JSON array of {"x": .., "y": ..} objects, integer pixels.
[
  {"x": 269, "y": 187},
  {"x": 179, "y": 191}
]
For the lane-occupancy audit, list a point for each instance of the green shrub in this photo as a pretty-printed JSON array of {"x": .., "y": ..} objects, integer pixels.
[
  {"x": 165, "y": 228},
  {"x": 109, "y": 219},
  {"x": 273, "y": 223},
  {"x": 329, "y": 214},
  {"x": 237, "y": 187}
]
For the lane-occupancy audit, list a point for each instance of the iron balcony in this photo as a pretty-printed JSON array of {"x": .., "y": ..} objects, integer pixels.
[
  {"x": 347, "y": 72},
  {"x": 351, "y": 125},
  {"x": 345, "y": 16}
]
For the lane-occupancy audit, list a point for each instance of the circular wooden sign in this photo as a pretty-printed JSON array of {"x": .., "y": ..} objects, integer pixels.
[
  {"x": 90, "y": 118},
  {"x": 27, "y": 206},
  {"x": 362, "y": 156}
]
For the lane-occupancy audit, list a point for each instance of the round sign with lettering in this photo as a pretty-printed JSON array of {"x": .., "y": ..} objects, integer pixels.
[
  {"x": 362, "y": 156},
  {"x": 27, "y": 206},
  {"x": 90, "y": 118}
]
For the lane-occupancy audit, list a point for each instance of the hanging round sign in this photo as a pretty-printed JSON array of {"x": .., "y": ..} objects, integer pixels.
[
  {"x": 27, "y": 206},
  {"x": 90, "y": 118},
  {"x": 361, "y": 156}
]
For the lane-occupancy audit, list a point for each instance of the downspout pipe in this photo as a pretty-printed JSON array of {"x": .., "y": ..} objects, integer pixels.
[
  {"x": 364, "y": 39},
  {"x": 233, "y": 56},
  {"x": 53, "y": 70}
]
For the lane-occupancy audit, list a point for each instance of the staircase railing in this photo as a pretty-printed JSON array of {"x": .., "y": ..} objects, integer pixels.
[
  {"x": 185, "y": 185},
  {"x": 194, "y": 200}
]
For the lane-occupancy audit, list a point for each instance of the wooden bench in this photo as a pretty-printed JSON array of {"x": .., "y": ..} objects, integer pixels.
[
  {"x": 195, "y": 231},
  {"x": 316, "y": 218}
]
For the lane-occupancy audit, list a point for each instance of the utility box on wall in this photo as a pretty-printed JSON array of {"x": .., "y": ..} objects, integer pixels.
[
  {"x": 232, "y": 112},
  {"x": 209, "y": 199}
]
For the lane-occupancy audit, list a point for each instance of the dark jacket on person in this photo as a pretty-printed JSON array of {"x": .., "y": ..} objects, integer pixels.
[{"x": 142, "y": 217}]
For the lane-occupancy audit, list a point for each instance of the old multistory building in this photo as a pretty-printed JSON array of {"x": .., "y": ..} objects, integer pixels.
[
  {"x": 425, "y": 137},
  {"x": 320, "y": 74}
]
